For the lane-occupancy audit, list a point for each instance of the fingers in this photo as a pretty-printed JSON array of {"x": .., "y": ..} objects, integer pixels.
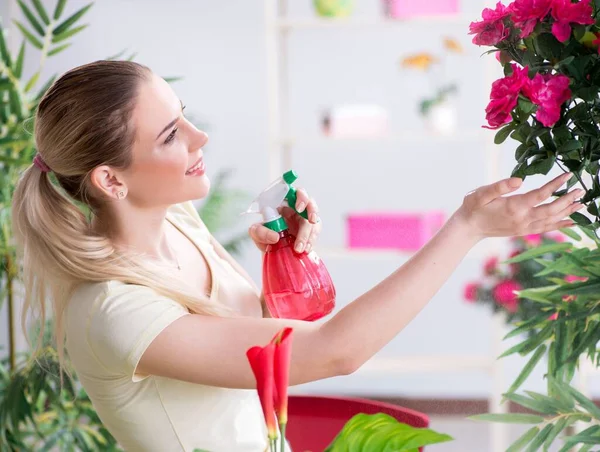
[
  {"x": 262, "y": 236},
  {"x": 303, "y": 201},
  {"x": 487, "y": 193},
  {"x": 557, "y": 206},
  {"x": 548, "y": 223},
  {"x": 539, "y": 195}
]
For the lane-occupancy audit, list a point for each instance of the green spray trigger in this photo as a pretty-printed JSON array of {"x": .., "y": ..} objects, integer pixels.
[{"x": 289, "y": 177}]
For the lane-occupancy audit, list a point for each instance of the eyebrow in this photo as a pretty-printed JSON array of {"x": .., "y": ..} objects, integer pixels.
[{"x": 171, "y": 124}]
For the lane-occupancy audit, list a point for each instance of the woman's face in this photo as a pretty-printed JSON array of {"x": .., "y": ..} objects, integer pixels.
[{"x": 167, "y": 166}]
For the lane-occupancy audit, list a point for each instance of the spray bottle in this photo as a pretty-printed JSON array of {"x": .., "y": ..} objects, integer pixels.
[{"x": 295, "y": 285}]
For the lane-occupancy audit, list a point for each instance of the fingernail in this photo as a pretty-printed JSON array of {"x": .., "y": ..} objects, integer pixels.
[
  {"x": 566, "y": 176},
  {"x": 314, "y": 218},
  {"x": 308, "y": 248},
  {"x": 274, "y": 237},
  {"x": 299, "y": 247},
  {"x": 301, "y": 207},
  {"x": 515, "y": 182}
]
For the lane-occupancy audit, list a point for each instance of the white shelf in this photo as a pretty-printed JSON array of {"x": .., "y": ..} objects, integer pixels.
[
  {"x": 407, "y": 137},
  {"x": 375, "y": 23}
]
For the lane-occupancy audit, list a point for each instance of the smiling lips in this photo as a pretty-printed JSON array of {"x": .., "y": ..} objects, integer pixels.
[{"x": 197, "y": 169}]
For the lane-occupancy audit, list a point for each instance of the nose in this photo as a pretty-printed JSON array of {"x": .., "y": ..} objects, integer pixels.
[{"x": 199, "y": 140}]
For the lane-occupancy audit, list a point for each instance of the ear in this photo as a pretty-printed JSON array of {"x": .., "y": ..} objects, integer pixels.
[{"x": 108, "y": 183}]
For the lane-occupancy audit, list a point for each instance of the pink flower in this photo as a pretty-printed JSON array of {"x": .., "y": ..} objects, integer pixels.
[
  {"x": 553, "y": 316},
  {"x": 492, "y": 29},
  {"x": 470, "y": 292},
  {"x": 504, "y": 294},
  {"x": 515, "y": 266},
  {"x": 527, "y": 13},
  {"x": 504, "y": 96},
  {"x": 574, "y": 278},
  {"x": 533, "y": 239},
  {"x": 566, "y": 13},
  {"x": 490, "y": 265},
  {"x": 556, "y": 236},
  {"x": 548, "y": 92}
]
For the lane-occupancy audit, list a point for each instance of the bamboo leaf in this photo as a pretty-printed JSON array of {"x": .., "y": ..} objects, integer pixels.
[
  {"x": 32, "y": 19},
  {"x": 45, "y": 88},
  {"x": 523, "y": 440},
  {"x": 508, "y": 418},
  {"x": 4, "y": 53},
  {"x": 32, "y": 39},
  {"x": 539, "y": 353},
  {"x": 32, "y": 81},
  {"x": 64, "y": 26},
  {"x": 536, "y": 405},
  {"x": 585, "y": 403},
  {"x": 58, "y": 49},
  {"x": 60, "y": 6},
  {"x": 556, "y": 430},
  {"x": 18, "y": 68},
  {"x": 569, "y": 232},
  {"x": 538, "y": 251},
  {"x": 41, "y": 11},
  {"x": 527, "y": 325},
  {"x": 67, "y": 34},
  {"x": 539, "y": 439}
]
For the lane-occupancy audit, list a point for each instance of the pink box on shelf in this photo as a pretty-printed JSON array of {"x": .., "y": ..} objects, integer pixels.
[
  {"x": 406, "y": 231},
  {"x": 402, "y": 9}
]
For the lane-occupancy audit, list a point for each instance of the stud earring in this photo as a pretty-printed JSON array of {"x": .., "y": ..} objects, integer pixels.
[{"x": 121, "y": 194}]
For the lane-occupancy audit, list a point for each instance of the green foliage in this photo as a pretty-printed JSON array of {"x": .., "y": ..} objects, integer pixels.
[{"x": 382, "y": 433}]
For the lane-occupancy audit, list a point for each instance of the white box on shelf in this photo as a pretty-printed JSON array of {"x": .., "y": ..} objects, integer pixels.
[{"x": 356, "y": 121}]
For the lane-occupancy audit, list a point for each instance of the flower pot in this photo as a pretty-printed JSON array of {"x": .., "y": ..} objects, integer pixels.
[
  {"x": 403, "y": 9},
  {"x": 334, "y": 8},
  {"x": 442, "y": 119}
]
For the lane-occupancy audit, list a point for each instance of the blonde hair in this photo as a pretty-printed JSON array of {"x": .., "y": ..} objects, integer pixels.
[{"x": 83, "y": 121}]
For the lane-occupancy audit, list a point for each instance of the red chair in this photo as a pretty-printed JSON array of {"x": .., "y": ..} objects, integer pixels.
[{"x": 314, "y": 421}]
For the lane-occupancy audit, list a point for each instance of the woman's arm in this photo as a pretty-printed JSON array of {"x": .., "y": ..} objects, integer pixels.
[{"x": 211, "y": 350}]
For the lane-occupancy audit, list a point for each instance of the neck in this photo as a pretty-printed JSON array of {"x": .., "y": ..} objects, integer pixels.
[{"x": 140, "y": 230}]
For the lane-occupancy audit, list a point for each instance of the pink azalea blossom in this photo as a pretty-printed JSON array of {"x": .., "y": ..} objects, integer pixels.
[
  {"x": 548, "y": 92},
  {"x": 566, "y": 13},
  {"x": 504, "y": 97},
  {"x": 470, "y": 292},
  {"x": 527, "y": 13},
  {"x": 556, "y": 236},
  {"x": 533, "y": 239},
  {"x": 553, "y": 316},
  {"x": 574, "y": 278},
  {"x": 504, "y": 294},
  {"x": 490, "y": 265},
  {"x": 492, "y": 29}
]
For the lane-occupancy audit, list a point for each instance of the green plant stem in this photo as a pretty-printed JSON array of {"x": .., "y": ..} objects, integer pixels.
[{"x": 282, "y": 432}]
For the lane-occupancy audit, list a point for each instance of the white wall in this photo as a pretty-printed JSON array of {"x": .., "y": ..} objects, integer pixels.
[{"x": 219, "y": 48}]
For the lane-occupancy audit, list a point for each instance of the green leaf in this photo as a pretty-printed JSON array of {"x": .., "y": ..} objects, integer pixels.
[
  {"x": 64, "y": 26},
  {"x": 382, "y": 432},
  {"x": 18, "y": 69},
  {"x": 60, "y": 6},
  {"x": 32, "y": 39},
  {"x": 548, "y": 46},
  {"x": 580, "y": 219},
  {"x": 41, "y": 11},
  {"x": 539, "y": 353},
  {"x": 523, "y": 440},
  {"x": 541, "y": 165},
  {"x": 539, "y": 439},
  {"x": 538, "y": 251},
  {"x": 508, "y": 418},
  {"x": 32, "y": 19},
  {"x": 59, "y": 49},
  {"x": 4, "y": 52},
  {"x": 556, "y": 430},
  {"x": 526, "y": 106},
  {"x": 571, "y": 145},
  {"x": 32, "y": 81},
  {"x": 533, "y": 404},
  {"x": 528, "y": 324},
  {"x": 67, "y": 34},
  {"x": 503, "y": 133},
  {"x": 585, "y": 403},
  {"x": 571, "y": 233}
]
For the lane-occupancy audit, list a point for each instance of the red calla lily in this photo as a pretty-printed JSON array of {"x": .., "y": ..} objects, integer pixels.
[
  {"x": 261, "y": 361},
  {"x": 283, "y": 356}
]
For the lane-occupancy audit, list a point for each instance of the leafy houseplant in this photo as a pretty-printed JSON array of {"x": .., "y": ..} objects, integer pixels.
[
  {"x": 36, "y": 411},
  {"x": 548, "y": 101}
]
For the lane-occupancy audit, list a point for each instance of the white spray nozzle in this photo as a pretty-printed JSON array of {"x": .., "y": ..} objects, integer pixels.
[{"x": 269, "y": 200}]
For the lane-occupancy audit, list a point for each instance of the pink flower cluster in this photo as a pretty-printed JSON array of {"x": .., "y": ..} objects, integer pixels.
[
  {"x": 524, "y": 15},
  {"x": 547, "y": 92}
]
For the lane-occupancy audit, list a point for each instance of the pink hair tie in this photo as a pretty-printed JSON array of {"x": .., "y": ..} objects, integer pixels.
[{"x": 39, "y": 162}]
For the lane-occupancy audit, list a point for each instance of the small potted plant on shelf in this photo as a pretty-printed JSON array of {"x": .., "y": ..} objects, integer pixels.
[
  {"x": 438, "y": 108},
  {"x": 334, "y": 8}
]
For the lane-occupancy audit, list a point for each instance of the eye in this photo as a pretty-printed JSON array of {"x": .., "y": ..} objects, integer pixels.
[{"x": 171, "y": 136}]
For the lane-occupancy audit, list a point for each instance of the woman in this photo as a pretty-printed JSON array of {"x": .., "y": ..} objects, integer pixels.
[{"x": 155, "y": 315}]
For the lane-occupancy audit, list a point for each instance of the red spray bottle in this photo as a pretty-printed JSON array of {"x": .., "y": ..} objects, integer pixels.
[{"x": 295, "y": 285}]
